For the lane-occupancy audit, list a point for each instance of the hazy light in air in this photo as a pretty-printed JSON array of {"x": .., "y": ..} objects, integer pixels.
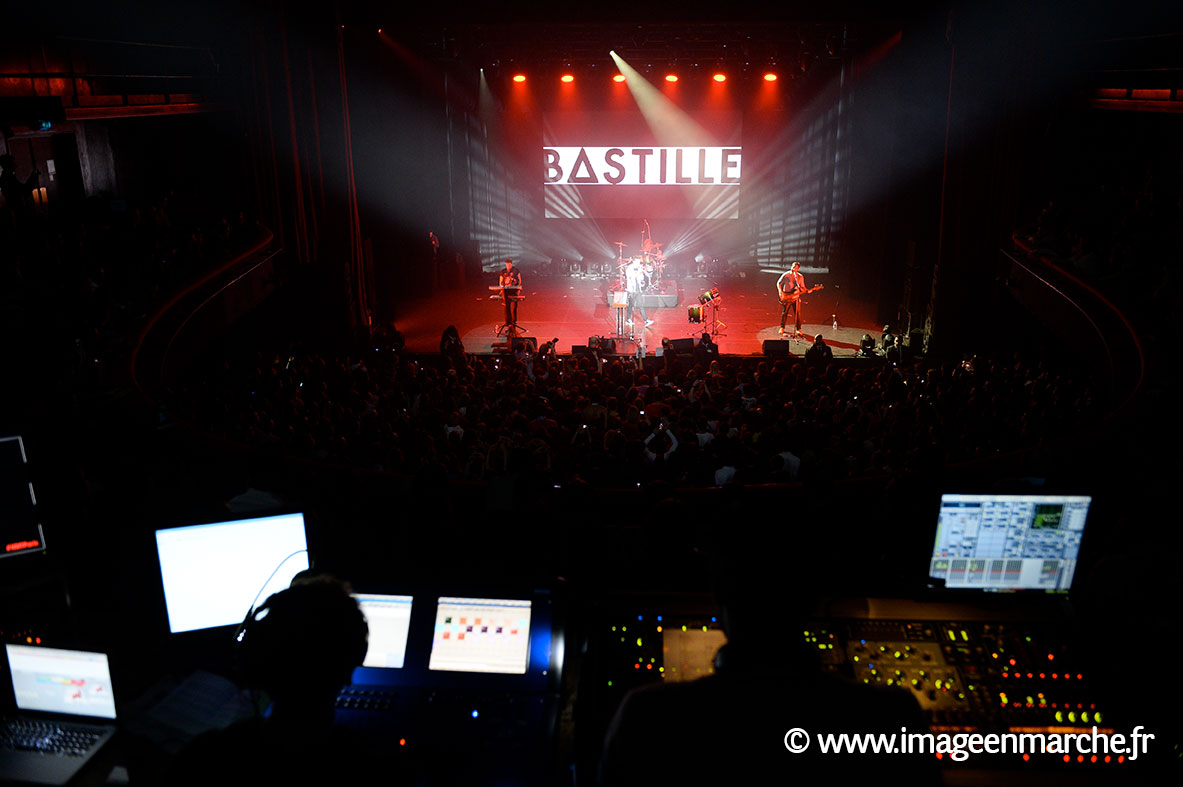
[
  {"x": 519, "y": 77},
  {"x": 671, "y": 77},
  {"x": 618, "y": 78},
  {"x": 567, "y": 78},
  {"x": 720, "y": 77},
  {"x": 770, "y": 77},
  {"x": 670, "y": 124}
]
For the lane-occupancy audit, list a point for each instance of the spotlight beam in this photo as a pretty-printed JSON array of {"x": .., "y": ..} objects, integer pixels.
[{"x": 670, "y": 125}]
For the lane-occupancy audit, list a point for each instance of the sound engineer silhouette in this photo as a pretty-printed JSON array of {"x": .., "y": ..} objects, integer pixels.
[
  {"x": 733, "y": 727},
  {"x": 300, "y": 648}
]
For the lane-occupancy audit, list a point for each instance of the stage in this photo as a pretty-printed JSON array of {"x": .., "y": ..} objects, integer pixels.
[{"x": 574, "y": 308}]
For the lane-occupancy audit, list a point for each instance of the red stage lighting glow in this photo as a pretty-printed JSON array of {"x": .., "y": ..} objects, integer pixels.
[
  {"x": 671, "y": 77},
  {"x": 720, "y": 77},
  {"x": 519, "y": 78},
  {"x": 567, "y": 78},
  {"x": 618, "y": 78},
  {"x": 770, "y": 77}
]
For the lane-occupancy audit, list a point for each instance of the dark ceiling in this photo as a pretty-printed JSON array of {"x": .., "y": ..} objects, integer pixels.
[{"x": 657, "y": 43}]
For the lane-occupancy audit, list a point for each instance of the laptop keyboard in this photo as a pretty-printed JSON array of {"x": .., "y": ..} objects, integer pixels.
[{"x": 47, "y": 737}]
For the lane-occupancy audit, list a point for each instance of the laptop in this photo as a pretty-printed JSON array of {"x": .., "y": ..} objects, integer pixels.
[{"x": 64, "y": 713}]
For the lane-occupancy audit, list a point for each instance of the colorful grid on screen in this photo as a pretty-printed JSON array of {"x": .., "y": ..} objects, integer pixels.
[{"x": 481, "y": 635}]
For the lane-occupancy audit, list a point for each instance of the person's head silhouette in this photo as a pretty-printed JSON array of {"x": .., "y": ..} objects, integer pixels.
[{"x": 301, "y": 645}]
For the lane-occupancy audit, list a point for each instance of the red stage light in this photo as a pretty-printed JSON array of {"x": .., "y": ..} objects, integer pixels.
[
  {"x": 671, "y": 77},
  {"x": 720, "y": 77},
  {"x": 618, "y": 78},
  {"x": 519, "y": 77},
  {"x": 567, "y": 78},
  {"x": 770, "y": 77}
]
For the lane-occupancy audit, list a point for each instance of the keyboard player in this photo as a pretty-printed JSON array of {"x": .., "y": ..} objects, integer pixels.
[{"x": 510, "y": 282}]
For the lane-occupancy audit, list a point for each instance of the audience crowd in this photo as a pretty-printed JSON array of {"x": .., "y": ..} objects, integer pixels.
[{"x": 615, "y": 423}]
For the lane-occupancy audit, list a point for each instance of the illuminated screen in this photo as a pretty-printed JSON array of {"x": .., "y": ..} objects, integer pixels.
[
  {"x": 20, "y": 526},
  {"x": 214, "y": 573},
  {"x": 689, "y": 655},
  {"x": 61, "y": 681},
  {"x": 613, "y": 165},
  {"x": 481, "y": 635},
  {"x": 1008, "y": 542},
  {"x": 389, "y": 619}
]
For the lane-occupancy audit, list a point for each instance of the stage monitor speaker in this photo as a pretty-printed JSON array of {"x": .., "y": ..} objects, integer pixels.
[
  {"x": 682, "y": 346},
  {"x": 580, "y": 349},
  {"x": 652, "y": 363},
  {"x": 531, "y": 343},
  {"x": 778, "y": 348},
  {"x": 606, "y": 345}
]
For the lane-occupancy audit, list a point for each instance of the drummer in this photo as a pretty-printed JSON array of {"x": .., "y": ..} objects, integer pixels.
[
  {"x": 646, "y": 270},
  {"x": 656, "y": 264}
]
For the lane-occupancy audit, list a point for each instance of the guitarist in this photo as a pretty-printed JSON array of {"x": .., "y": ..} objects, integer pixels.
[{"x": 789, "y": 288}]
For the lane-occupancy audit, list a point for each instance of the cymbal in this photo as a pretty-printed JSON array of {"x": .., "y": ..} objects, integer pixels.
[
  {"x": 619, "y": 243},
  {"x": 658, "y": 245}
]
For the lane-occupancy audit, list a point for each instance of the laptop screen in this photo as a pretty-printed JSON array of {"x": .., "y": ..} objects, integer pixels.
[
  {"x": 481, "y": 635},
  {"x": 389, "y": 619},
  {"x": 1008, "y": 542},
  {"x": 72, "y": 682},
  {"x": 213, "y": 574}
]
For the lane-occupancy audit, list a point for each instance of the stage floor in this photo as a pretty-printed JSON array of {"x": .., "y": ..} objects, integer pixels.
[{"x": 574, "y": 309}]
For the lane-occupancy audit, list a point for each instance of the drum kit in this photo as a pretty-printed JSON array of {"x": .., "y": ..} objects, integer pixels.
[{"x": 652, "y": 261}]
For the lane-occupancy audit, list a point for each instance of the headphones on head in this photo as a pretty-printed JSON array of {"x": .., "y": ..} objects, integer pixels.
[{"x": 309, "y": 631}]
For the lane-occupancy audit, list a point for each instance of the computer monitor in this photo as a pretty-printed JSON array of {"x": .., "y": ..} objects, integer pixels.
[
  {"x": 389, "y": 620},
  {"x": 481, "y": 635},
  {"x": 999, "y": 542},
  {"x": 20, "y": 524},
  {"x": 215, "y": 574}
]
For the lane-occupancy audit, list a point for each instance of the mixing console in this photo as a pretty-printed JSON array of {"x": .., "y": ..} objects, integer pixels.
[
  {"x": 968, "y": 676},
  {"x": 640, "y": 649}
]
